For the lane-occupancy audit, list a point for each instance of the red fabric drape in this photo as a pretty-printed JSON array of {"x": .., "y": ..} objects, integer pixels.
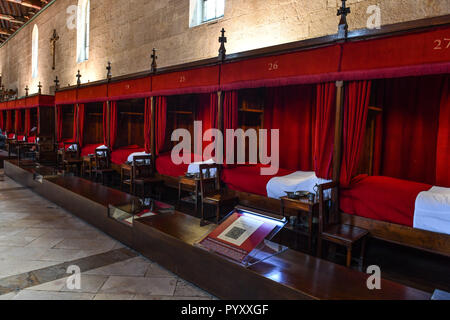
[
  {"x": 291, "y": 110},
  {"x": 230, "y": 110},
  {"x": 18, "y": 124},
  {"x": 410, "y": 128},
  {"x": 213, "y": 103},
  {"x": 27, "y": 122},
  {"x": 2, "y": 121},
  {"x": 75, "y": 123},
  {"x": 105, "y": 123},
  {"x": 160, "y": 120},
  {"x": 113, "y": 124},
  {"x": 81, "y": 117},
  {"x": 356, "y": 106},
  {"x": 443, "y": 143},
  {"x": 324, "y": 129},
  {"x": 147, "y": 126},
  {"x": 9, "y": 122},
  {"x": 59, "y": 123}
]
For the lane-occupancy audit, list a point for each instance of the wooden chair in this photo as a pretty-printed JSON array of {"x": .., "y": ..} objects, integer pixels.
[
  {"x": 71, "y": 158},
  {"x": 142, "y": 174},
  {"x": 332, "y": 231},
  {"x": 212, "y": 193},
  {"x": 102, "y": 166}
]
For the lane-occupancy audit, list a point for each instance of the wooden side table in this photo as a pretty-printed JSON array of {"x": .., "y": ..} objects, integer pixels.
[
  {"x": 301, "y": 206},
  {"x": 88, "y": 162}
]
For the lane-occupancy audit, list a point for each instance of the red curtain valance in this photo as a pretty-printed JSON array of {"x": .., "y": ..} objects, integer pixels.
[
  {"x": 21, "y": 103},
  {"x": 93, "y": 93},
  {"x": 10, "y": 105},
  {"x": 308, "y": 66},
  {"x": 66, "y": 97},
  {"x": 40, "y": 101},
  {"x": 200, "y": 80},
  {"x": 397, "y": 56},
  {"x": 130, "y": 89}
]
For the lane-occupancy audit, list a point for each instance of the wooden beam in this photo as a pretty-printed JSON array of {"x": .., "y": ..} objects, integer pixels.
[
  {"x": 12, "y": 19},
  {"x": 35, "y": 4}
]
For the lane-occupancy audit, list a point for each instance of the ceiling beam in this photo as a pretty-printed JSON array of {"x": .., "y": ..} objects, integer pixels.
[
  {"x": 12, "y": 19},
  {"x": 5, "y": 32},
  {"x": 35, "y": 4}
]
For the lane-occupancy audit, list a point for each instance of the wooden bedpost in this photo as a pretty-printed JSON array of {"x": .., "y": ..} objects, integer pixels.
[
  {"x": 337, "y": 153},
  {"x": 108, "y": 125},
  {"x": 220, "y": 111},
  {"x": 75, "y": 114},
  {"x": 153, "y": 132}
]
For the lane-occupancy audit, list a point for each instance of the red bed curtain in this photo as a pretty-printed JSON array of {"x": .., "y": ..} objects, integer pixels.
[
  {"x": 230, "y": 110},
  {"x": 356, "y": 106},
  {"x": 214, "y": 109},
  {"x": 18, "y": 124},
  {"x": 291, "y": 110},
  {"x": 410, "y": 128},
  {"x": 324, "y": 130},
  {"x": 160, "y": 122},
  {"x": 81, "y": 116},
  {"x": 59, "y": 119},
  {"x": 9, "y": 124},
  {"x": 27, "y": 122},
  {"x": 148, "y": 126},
  {"x": 113, "y": 124},
  {"x": 443, "y": 144},
  {"x": 105, "y": 123},
  {"x": 2, "y": 121}
]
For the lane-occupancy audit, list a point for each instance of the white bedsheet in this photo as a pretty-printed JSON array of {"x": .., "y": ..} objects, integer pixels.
[
  {"x": 297, "y": 181},
  {"x": 432, "y": 210},
  {"x": 194, "y": 167}
]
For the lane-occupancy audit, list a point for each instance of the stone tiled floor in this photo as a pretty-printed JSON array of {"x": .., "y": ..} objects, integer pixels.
[{"x": 37, "y": 239}]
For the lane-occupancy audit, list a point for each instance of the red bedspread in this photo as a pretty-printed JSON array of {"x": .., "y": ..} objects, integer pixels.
[
  {"x": 165, "y": 166},
  {"x": 120, "y": 155},
  {"x": 248, "y": 178},
  {"x": 382, "y": 198},
  {"x": 89, "y": 149}
]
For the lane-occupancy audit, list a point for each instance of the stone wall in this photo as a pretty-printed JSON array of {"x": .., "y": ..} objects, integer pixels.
[{"x": 124, "y": 32}]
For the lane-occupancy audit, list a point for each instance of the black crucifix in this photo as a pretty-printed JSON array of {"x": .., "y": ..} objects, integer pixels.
[
  {"x": 56, "y": 81},
  {"x": 222, "y": 41},
  {"x": 53, "y": 47},
  {"x": 40, "y": 88},
  {"x": 154, "y": 58},
  {"x": 343, "y": 11},
  {"x": 26, "y": 91},
  {"x": 79, "y": 78},
  {"x": 109, "y": 74}
]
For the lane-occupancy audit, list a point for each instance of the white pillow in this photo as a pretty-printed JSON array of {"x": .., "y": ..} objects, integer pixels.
[
  {"x": 136, "y": 154},
  {"x": 195, "y": 167}
]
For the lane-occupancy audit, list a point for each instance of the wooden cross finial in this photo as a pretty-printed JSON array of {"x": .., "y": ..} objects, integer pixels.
[
  {"x": 222, "y": 41},
  {"x": 154, "y": 58},
  {"x": 79, "y": 78},
  {"x": 26, "y": 90},
  {"x": 109, "y": 74},
  {"x": 343, "y": 11},
  {"x": 40, "y": 88},
  {"x": 56, "y": 81}
]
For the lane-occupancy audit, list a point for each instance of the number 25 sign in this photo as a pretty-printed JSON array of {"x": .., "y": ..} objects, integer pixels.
[{"x": 440, "y": 44}]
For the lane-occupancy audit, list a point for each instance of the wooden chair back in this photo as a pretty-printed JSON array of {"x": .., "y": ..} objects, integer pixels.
[
  {"x": 142, "y": 167},
  {"x": 328, "y": 214},
  {"x": 102, "y": 159},
  {"x": 71, "y": 154},
  {"x": 209, "y": 179}
]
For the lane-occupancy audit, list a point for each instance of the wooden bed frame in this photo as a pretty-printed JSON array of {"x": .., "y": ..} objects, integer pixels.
[{"x": 433, "y": 242}]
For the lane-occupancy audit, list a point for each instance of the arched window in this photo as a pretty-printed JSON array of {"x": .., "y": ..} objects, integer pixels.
[
  {"x": 34, "y": 52},
  {"x": 83, "y": 17}
]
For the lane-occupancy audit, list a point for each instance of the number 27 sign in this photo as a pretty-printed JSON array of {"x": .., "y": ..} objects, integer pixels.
[{"x": 440, "y": 44}]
